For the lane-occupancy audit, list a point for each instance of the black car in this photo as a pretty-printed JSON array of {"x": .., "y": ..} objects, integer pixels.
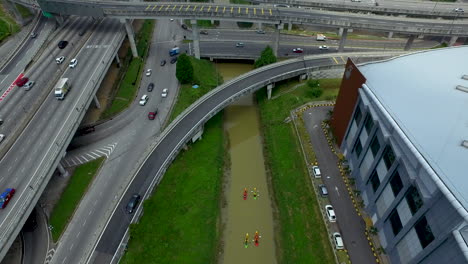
[
  {"x": 174, "y": 60},
  {"x": 323, "y": 190},
  {"x": 62, "y": 44},
  {"x": 203, "y": 32},
  {"x": 133, "y": 203},
  {"x": 184, "y": 26},
  {"x": 150, "y": 87},
  {"x": 163, "y": 62}
]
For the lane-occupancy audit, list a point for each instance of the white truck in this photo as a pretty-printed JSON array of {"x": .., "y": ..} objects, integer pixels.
[
  {"x": 61, "y": 88},
  {"x": 321, "y": 37}
]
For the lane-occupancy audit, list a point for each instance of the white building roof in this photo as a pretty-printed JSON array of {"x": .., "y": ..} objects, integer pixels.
[{"x": 418, "y": 91}]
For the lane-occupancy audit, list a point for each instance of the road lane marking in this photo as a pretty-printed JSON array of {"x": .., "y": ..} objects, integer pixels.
[
  {"x": 216, "y": 10},
  {"x": 161, "y": 7},
  {"x": 187, "y": 8},
  {"x": 224, "y": 9},
  {"x": 64, "y": 260},
  {"x": 72, "y": 246},
  {"x": 181, "y": 8},
  {"x": 4, "y": 78},
  {"x": 343, "y": 59},
  {"x": 147, "y": 7},
  {"x": 194, "y": 8},
  {"x": 78, "y": 234},
  {"x": 12, "y": 85},
  {"x": 201, "y": 9},
  {"x": 247, "y": 10},
  {"x": 335, "y": 60},
  {"x": 271, "y": 13},
  {"x": 168, "y": 6},
  {"x": 84, "y": 223},
  {"x": 239, "y": 11},
  {"x": 154, "y": 7},
  {"x": 174, "y": 8},
  {"x": 9, "y": 169},
  {"x": 232, "y": 9},
  {"x": 209, "y": 8},
  {"x": 90, "y": 211},
  {"x": 262, "y": 12},
  {"x": 336, "y": 189},
  {"x": 255, "y": 11}
]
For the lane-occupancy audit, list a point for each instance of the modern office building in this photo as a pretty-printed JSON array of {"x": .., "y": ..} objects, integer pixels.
[{"x": 402, "y": 124}]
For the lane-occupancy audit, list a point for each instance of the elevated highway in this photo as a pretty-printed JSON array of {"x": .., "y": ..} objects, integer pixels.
[{"x": 270, "y": 15}]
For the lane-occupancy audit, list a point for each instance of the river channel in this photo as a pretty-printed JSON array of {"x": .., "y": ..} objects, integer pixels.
[{"x": 251, "y": 210}]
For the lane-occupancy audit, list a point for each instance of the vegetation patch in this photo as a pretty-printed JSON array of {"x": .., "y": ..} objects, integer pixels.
[
  {"x": 244, "y": 24},
  {"x": 266, "y": 57},
  {"x": 240, "y": 2},
  {"x": 302, "y": 236},
  {"x": 24, "y": 12},
  {"x": 180, "y": 223},
  {"x": 130, "y": 82},
  {"x": 8, "y": 25},
  {"x": 205, "y": 76},
  {"x": 76, "y": 188}
]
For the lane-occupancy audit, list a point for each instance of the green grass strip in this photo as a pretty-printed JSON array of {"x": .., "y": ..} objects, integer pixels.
[
  {"x": 8, "y": 25},
  {"x": 180, "y": 221},
  {"x": 302, "y": 236},
  {"x": 204, "y": 74},
  {"x": 24, "y": 12},
  {"x": 128, "y": 87},
  {"x": 76, "y": 188}
]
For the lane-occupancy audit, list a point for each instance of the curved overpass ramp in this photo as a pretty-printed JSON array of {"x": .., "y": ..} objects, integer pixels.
[{"x": 165, "y": 148}]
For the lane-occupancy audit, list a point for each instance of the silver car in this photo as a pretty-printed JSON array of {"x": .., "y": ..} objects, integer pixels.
[{"x": 28, "y": 85}]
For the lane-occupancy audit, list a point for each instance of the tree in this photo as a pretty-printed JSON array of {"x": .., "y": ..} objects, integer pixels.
[
  {"x": 184, "y": 69},
  {"x": 266, "y": 57},
  {"x": 315, "y": 91}
]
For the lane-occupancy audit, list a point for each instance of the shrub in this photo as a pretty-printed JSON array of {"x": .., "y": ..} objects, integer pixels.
[
  {"x": 184, "y": 69},
  {"x": 266, "y": 57}
]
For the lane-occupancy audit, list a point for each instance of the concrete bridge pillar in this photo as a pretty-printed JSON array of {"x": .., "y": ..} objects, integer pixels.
[
  {"x": 260, "y": 25},
  {"x": 409, "y": 43},
  {"x": 269, "y": 89},
  {"x": 277, "y": 38},
  {"x": 64, "y": 173},
  {"x": 130, "y": 35},
  {"x": 198, "y": 134},
  {"x": 117, "y": 60},
  {"x": 289, "y": 26},
  {"x": 343, "y": 40},
  {"x": 96, "y": 102},
  {"x": 340, "y": 32},
  {"x": 452, "y": 41},
  {"x": 390, "y": 35},
  {"x": 196, "y": 38}
]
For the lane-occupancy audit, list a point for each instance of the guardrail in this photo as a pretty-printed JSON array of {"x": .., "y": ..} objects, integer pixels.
[{"x": 250, "y": 89}]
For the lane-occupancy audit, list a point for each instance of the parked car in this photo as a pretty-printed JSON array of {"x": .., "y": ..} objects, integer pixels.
[
  {"x": 148, "y": 72},
  {"x": 22, "y": 81},
  {"x": 281, "y": 5},
  {"x": 60, "y": 59},
  {"x": 133, "y": 203},
  {"x": 73, "y": 63},
  {"x": 28, "y": 85},
  {"x": 298, "y": 50},
  {"x": 203, "y": 32},
  {"x": 150, "y": 87},
  {"x": 259, "y": 31},
  {"x": 330, "y": 213},
  {"x": 173, "y": 60},
  {"x": 85, "y": 130},
  {"x": 163, "y": 62},
  {"x": 240, "y": 44},
  {"x": 6, "y": 196},
  {"x": 458, "y": 10},
  {"x": 355, "y": 0},
  {"x": 2, "y": 136},
  {"x": 323, "y": 47},
  {"x": 323, "y": 190},
  {"x": 144, "y": 99},
  {"x": 62, "y": 44},
  {"x": 338, "y": 241},
  {"x": 164, "y": 93},
  {"x": 152, "y": 115},
  {"x": 316, "y": 171},
  {"x": 184, "y": 26}
]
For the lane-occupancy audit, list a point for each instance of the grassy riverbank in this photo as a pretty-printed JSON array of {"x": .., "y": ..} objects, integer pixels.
[{"x": 302, "y": 236}]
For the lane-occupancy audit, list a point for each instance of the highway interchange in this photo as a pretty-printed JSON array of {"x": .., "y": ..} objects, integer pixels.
[{"x": 132, "y": 139}]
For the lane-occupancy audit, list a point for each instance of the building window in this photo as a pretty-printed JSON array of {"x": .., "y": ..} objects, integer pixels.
[
  {"x": 357, "y": 115},
  {"x": 375, "y": 145},
  {"x": 424, "y": 232},
  {"x": 414, "y": 199},
  {"x": 395, "y": 222},
  {"x": 369, "y": 123},
  {"x": 395, "y": 183},
  {"x": 388, "y": 156},
  {"x": 357, "y": 147},
  {"x": 374, "y": 180}
]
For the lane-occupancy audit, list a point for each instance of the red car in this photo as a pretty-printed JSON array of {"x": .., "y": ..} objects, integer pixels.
[
  {"x": 22, "y": 81},
  {"x": 298, "y": 50},
  {"x": 6, "y": 196},
  {"x": 152, "y": 115}
]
